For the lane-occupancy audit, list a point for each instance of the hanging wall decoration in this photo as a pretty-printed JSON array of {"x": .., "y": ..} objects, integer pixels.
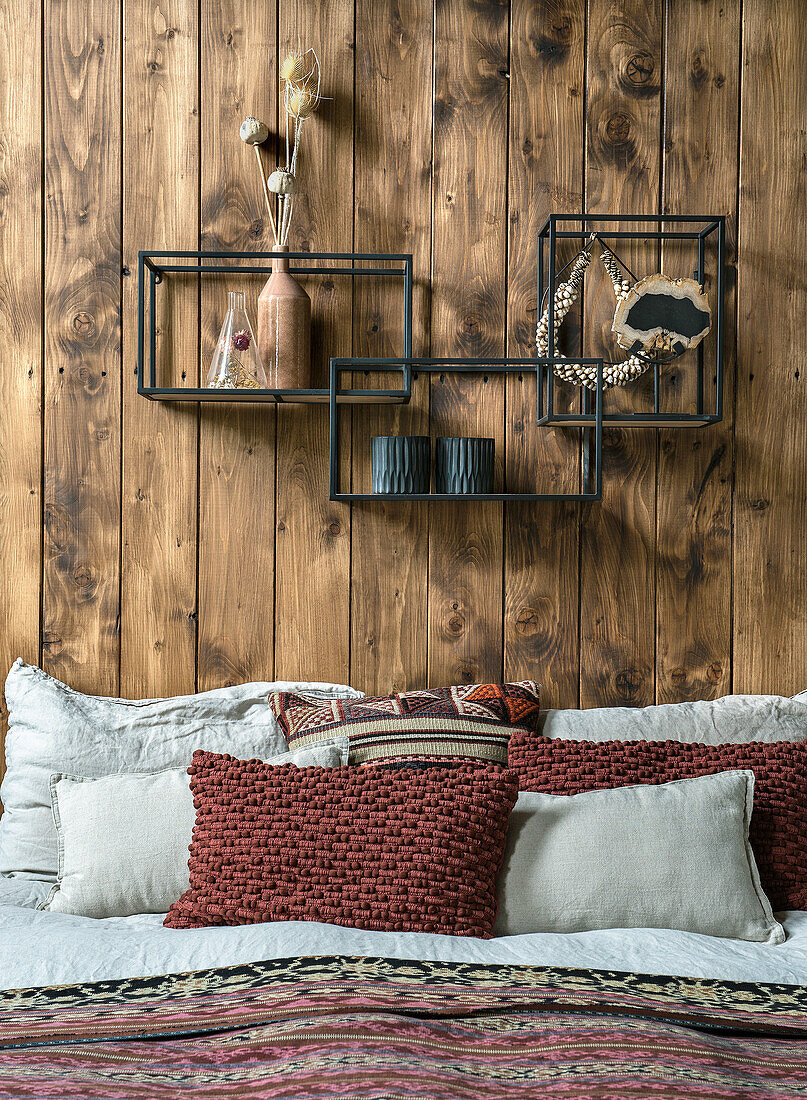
[
  {"x": 656, "y": 319},
  {"x": 662, "y": 314}
]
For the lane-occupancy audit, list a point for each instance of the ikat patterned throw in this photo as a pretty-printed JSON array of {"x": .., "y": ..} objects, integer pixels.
[
  {"x": 467, "y": 722},
  {"x": 375, "y": 1029}
]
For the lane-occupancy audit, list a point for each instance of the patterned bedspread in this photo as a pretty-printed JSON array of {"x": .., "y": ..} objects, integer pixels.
[{"x": 384, "y": 1029}]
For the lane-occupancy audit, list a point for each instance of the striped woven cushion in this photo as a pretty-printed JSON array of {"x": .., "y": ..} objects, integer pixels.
[{"x": 468, "y": 722}]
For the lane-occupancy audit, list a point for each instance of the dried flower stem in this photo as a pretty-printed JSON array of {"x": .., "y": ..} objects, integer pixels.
[
  {"x": 302, "y": 75},
  {"x": 267, "y": 196}
]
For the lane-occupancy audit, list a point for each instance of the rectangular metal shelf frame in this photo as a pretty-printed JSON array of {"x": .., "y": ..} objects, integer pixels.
[
  {"x": 154, "y": 266},
  {"x": 591, "y": 489},
  {"x": 550, "y": 234}
]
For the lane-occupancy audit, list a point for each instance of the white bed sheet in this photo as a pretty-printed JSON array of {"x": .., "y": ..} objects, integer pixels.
[{"x": 42, "y": 948}]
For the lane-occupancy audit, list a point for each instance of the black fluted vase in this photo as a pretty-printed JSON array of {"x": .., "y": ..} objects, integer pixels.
[
  {"x": 400, "y": 463},
  {"x": 464, "y": 465}
]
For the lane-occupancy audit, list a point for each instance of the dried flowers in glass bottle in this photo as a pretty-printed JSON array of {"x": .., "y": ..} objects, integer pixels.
[{"x": 236, "y": 363}]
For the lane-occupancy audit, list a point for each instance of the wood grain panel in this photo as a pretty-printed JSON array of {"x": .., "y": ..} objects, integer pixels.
[
  {"x": 770, "y": 591},
  {"x": 312, "y": 637},
  {"x": 687, "y": 580},
  {"x": 82, "y": 345},
  {"x": 20, "y": 328},
  {"x": 237, "y": 442},
  {"x": 389, "y": 574},
  {"x": 617, "y": 608},
  {"x": 468, "y": 315},
  {"x": 693, "y": 531},
  {"x": 541, "y": 560},
  {"x": 160, "y": 442}
]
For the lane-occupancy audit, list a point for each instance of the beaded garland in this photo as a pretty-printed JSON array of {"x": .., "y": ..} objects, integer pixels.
[
  {"x": 566, "y": 294},
  {"x": 778, "y": 831},
  {"x": 396, "y": 851}
]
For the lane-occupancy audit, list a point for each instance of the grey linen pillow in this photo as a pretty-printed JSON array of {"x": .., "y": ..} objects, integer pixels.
[
  {"x": 53, "y": 728},
  {"x": 673, "y": 855},
  {"x": 123, "y": 839},
  {"x": 734, "y": 719}
]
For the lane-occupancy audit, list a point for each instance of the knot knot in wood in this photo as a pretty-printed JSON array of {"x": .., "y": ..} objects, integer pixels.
[
  {"x": 527, "y": 621},
  {"x": 639, "y": 68},
  {"x": 83, "y": 576},
  {"x": 52, "y": 642},
  {"x": 629, "y": 682},
  {"x": 617, "y": 128},
  {"x": 455, "y": 624},
  {"x": 84, "y": 323}
]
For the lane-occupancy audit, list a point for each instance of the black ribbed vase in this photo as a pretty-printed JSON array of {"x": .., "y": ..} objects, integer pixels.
[
  {"x": 464, "y": 465},
  {"x": 400, "y": 463}
]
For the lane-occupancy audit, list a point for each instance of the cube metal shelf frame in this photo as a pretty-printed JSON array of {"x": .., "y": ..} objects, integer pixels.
[
  {"x": 550, "y": 234},
  {"x": 592, "y": 479},
  {"x": 153, "y": 266}
]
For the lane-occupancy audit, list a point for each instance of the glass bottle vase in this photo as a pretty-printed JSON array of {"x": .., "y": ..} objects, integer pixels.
[{"x": 236, "y": 362}]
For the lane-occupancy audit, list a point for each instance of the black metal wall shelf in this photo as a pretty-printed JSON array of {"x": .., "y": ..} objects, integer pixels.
[
  {"x": 276, "y": 397},
  {"x": 702, "y": 231},
  {"x": 153, "y": 267},
  {"x": 591, "y": 450}
]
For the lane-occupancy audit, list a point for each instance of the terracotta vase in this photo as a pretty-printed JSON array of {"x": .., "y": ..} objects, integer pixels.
[{"x": 284, "y": 329}]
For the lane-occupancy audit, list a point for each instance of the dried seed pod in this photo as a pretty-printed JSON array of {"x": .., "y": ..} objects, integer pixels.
[
  {"x": 282, "y": 182},
  {"x": 253, "y": 131},
  {"x": 292, "y": 69},
  {"x": 301, "y": 103}
]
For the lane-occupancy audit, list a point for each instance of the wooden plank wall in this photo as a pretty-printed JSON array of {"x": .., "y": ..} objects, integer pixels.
[{"x": 148, "y": 549}]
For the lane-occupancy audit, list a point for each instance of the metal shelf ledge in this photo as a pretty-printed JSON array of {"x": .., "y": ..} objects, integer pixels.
[
  {"x": 277, "y": 397},
  {"x": 345, "y": 497},
  {"x": 631, "y": 420}
]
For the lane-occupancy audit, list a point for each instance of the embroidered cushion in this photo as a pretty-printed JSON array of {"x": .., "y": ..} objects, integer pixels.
[
  {"x": 397, "y": 851},
  {"x": 778, "y": 830},
  {"x": 471, "y": 721}
]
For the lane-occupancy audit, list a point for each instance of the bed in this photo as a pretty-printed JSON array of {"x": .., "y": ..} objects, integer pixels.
[{"x": 95, "y": 1005}]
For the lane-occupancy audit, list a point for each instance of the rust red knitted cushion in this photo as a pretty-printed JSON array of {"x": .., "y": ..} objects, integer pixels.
[
  {"x": 395, "y": 851},
  {"x": 778, "y": 824},
  {"x": 468, "y": 721}
]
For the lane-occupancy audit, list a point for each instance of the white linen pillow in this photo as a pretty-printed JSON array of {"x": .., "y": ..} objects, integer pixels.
[
  {"x": 123, "y": 839},
  {"x": 733, "y": 719},
  {"x": 672, "y": 855},
  {"x": 52, "y": 728}
]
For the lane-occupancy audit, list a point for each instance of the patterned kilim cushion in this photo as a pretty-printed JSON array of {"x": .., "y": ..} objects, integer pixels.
[{"x": 469, "y": 722}]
